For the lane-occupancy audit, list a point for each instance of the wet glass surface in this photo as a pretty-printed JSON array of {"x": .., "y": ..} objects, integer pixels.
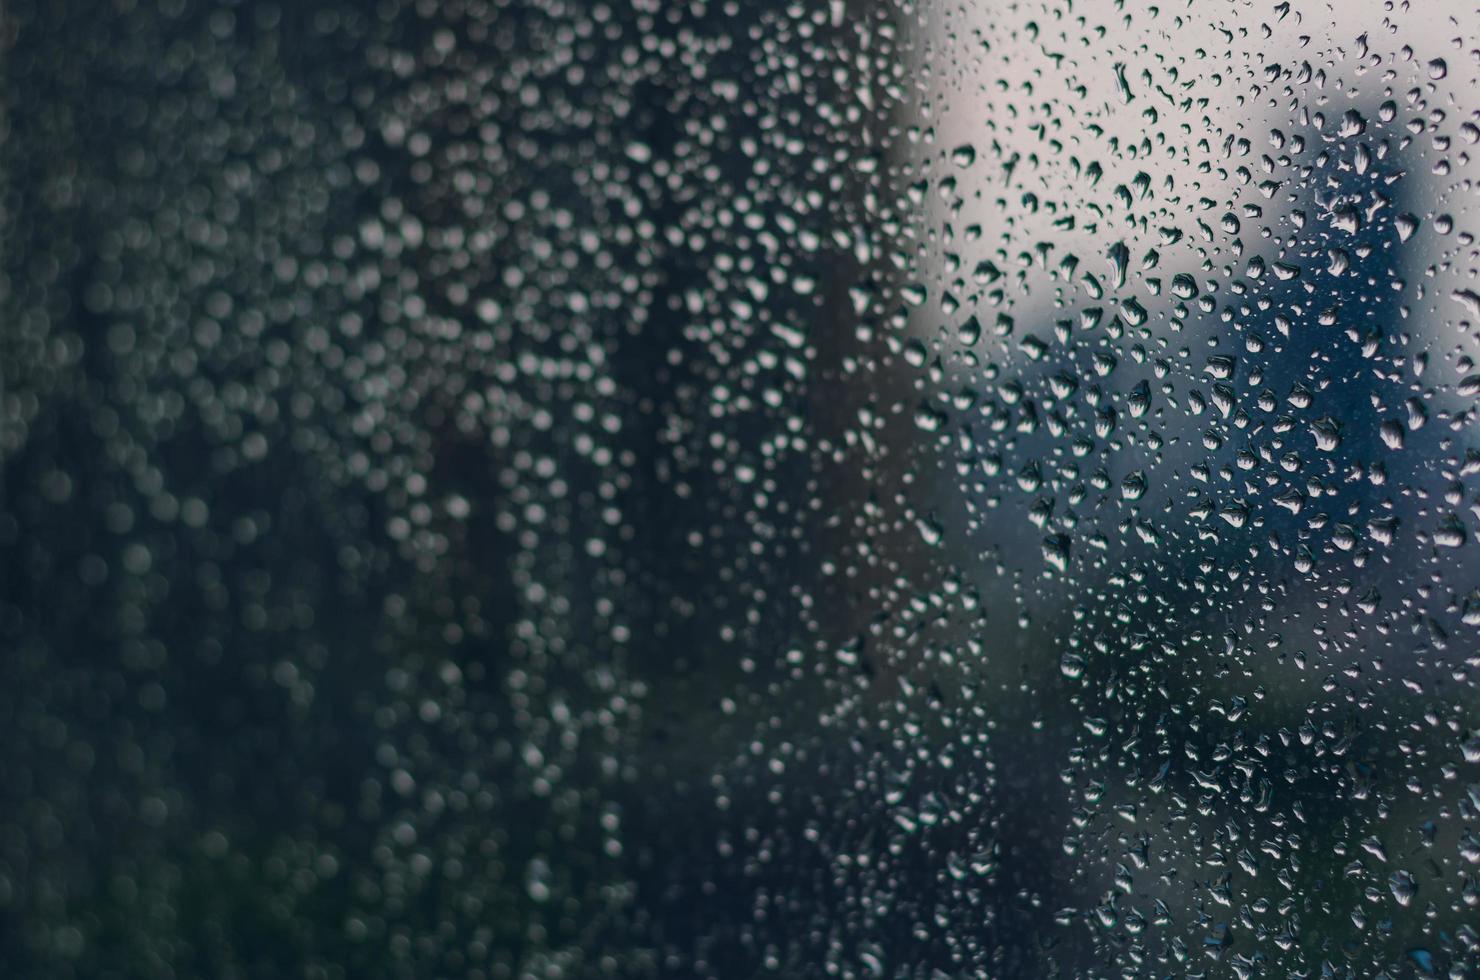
[{"x": 576, "y": 489}]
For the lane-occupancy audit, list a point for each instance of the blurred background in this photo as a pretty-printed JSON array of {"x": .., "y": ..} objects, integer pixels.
[{"x": 717, "y": 489}]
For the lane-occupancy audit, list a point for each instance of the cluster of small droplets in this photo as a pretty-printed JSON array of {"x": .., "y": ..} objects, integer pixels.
[{"x": 610, "y": 488}]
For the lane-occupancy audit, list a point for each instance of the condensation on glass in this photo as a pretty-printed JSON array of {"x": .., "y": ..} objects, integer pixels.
[{"x": 617, "y": 488}]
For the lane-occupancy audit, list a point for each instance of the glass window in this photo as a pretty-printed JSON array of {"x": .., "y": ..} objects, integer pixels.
[{"x": 730, "y": 488}]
